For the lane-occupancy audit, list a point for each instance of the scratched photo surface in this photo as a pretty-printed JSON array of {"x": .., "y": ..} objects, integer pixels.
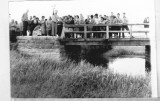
[{"x": 80, "y": 48}]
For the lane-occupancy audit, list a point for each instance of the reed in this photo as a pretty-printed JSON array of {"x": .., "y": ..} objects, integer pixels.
[{"x": 36, "y": 77}]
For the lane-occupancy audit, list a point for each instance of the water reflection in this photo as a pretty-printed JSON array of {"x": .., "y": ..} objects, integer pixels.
[
  {"x": 90, "y": 55},
  {"x": 129, "y": 66}
]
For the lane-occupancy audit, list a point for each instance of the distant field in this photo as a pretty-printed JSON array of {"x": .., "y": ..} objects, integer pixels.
[{"x": 33, "y": 76}]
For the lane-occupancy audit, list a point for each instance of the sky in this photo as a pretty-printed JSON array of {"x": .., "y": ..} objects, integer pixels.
[{"x": 136, "y": 10}]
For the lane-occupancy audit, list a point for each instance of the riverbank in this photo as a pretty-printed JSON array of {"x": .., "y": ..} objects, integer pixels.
[
  {"x": 123, "y": 51},
  {"x": 33, "y": 76}
]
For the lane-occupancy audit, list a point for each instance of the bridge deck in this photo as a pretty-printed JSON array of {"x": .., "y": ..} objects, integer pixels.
[{"x": 113, "y": 41}]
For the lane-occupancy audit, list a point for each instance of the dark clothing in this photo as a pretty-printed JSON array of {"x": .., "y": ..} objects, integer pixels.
[
  {"x": 114, "y": 28},
  {"x": 25, "y": 26},
  {"x": 49, "y": 27},
  {"x": 13, "y": 36},
  {"x": 146, "y": 21},
  {"x": 13, "y": 28},
  {"x": 34, "y": 24},
  {"x": 29, "y": 27},
  {"x": 49, "y": 32},
  {"x": 59, "y": 27},
  {"x": 86, "y": 21},
  {"x": 123, "y": 28},
  {"x": 54, "y": 28},
  {"x": 72, "y": 22}
]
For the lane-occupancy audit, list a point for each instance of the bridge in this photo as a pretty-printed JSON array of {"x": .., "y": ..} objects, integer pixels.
[
  {"x": 104, "y": 38},
  {"x": 85, "y": 37}
]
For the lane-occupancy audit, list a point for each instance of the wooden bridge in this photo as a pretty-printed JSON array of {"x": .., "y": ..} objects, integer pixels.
[
  {"x": 86, "y": 38},
  {"x": 104, "y": 38}
]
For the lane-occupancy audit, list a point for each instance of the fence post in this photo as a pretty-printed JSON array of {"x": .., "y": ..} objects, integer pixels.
[
  {"x": 121, "y": 33},
  {"x": 131, "y": 31},
  {"x": 63, "y": 32},
  {"x": 107, "y": 32},
  {"x": 85, "y": 31}
]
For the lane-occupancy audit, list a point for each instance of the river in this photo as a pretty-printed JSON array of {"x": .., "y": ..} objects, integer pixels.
[
  {"x": 133, "y": 65},
  {"x": 129, "y": 64}
]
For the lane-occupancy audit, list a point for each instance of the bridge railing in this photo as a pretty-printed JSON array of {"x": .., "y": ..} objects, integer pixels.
[{"x": 106, "y": 32}]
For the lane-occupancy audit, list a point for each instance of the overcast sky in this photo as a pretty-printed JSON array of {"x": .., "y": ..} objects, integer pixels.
[{"x": 136, "y": 10}]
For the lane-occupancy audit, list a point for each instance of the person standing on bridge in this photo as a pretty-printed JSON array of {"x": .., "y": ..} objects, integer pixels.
[
  {"x": 43, "y": 26},
  {"x": 146, "y": 21},
  {"x": 49, "y": 26},
  {"x": 124, "y": 26},
  {"x": 25, "y": 22},
  {"x": 30, "y": 26},
  {"x": 96, "y": 28},
  {"x": 12, "y": 28},
  {"x": 119, "y": 21},
  {"x": 59, "y": 27},
  {"x": 90, "y": 28},
  {"x": 54, "y": 22}
]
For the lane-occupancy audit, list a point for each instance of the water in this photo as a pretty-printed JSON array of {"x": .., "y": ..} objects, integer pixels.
[
  {"x": 131, "y": 66},
  {"x": 128, "y": 65}
]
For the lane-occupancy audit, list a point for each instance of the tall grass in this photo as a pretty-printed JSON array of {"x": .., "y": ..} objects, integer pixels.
[{"x": 33, "y": 77}]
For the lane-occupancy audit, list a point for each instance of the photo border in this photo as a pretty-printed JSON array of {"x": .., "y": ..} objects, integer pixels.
[{"x": 5, "y": 59}]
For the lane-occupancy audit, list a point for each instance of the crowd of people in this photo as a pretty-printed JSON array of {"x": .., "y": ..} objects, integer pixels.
[{"x": 53, "y": 26}]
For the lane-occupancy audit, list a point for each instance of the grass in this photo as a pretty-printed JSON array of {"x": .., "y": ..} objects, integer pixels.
[{"x": 36, "y": 77}]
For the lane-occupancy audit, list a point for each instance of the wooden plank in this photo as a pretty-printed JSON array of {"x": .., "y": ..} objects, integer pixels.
[
  {"x": 108, "y": 31},
  {"x": 140, "y": 31},
  {"x": 102, "y": 39},
  {"x": 127, "y": 39},
  {"x": 82, "y": 25},
  {"x": 95, "y": 31},
  {"x": 129, "y": 43},
  {"x": 132, "y": 31},
  {"x": 105, "y": 31},
  {"x": 74, "y": 32},
  {"x": 110, "y": 42},
  {"x": 81, "y": 39}
]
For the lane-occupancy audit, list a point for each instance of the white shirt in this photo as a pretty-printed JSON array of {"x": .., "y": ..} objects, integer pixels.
[
  {"x": 55, "y": 18},
  {"x": 125, "y": 20},
  {"x": 97, "y": 21},
  {"x": 119, "y": 20}
]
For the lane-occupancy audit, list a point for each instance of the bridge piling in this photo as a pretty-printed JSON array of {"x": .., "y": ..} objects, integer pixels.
[{"x": 147, "y": 58}]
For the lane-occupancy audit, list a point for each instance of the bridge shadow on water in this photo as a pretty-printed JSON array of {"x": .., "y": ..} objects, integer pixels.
[
  {"x": 90, "y": 54},
  {"x": 93, "y": 55}
]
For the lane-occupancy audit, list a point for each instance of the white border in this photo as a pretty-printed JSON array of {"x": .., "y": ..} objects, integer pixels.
[{"x": 4, "y": 50}]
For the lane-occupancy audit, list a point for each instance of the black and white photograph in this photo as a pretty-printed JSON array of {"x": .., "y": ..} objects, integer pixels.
[{"x": 81, "y": 48}]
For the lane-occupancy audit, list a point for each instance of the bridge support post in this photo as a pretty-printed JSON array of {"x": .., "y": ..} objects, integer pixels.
[
  {"x": 131, "y": 31},
  {"x": 147, "y": 58},
  {"x": 107, "y": 32},
  {"x": 85, "y": 31}
]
